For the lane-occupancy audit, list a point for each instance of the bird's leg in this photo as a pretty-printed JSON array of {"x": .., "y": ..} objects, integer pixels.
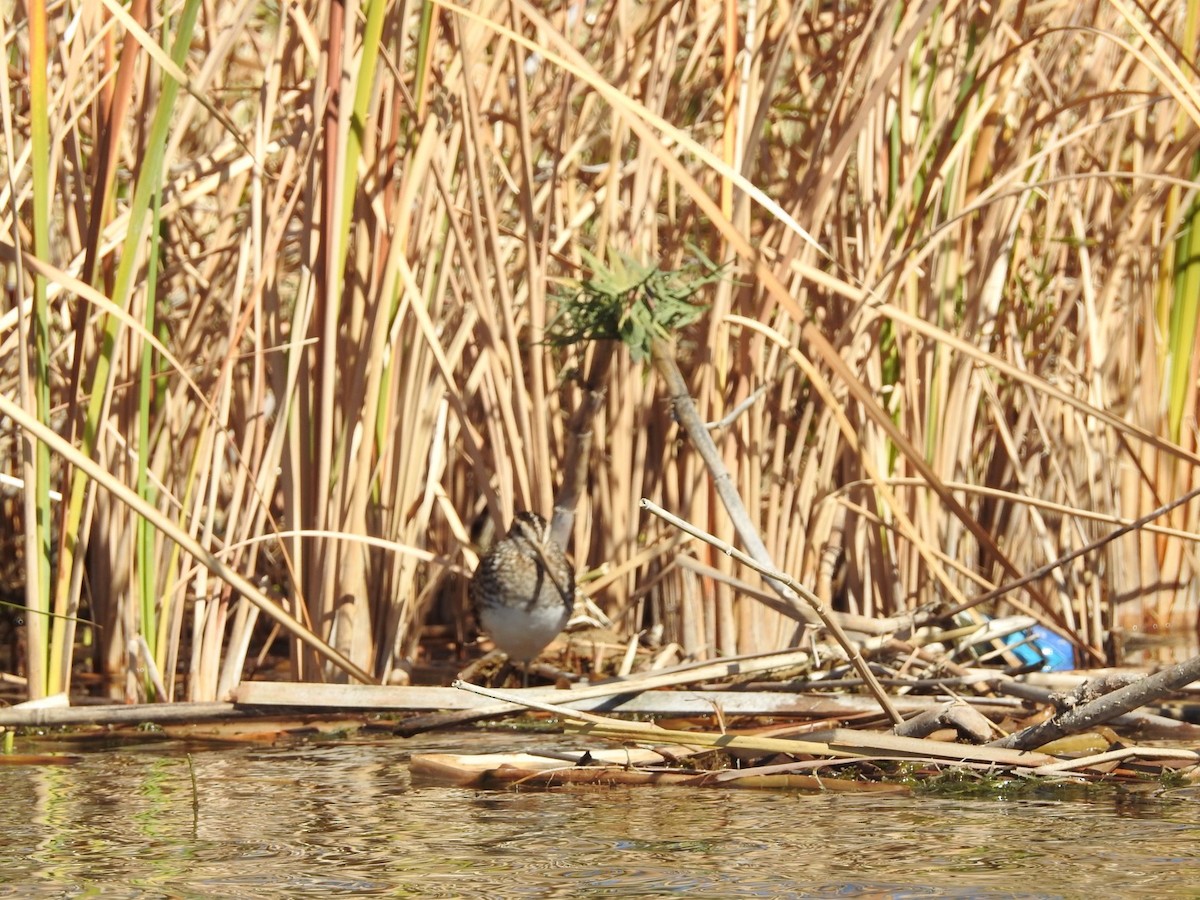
[{"x": 505, "y": 670}]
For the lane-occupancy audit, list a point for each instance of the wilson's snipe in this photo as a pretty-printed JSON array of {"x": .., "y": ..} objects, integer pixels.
[{"x": 524, "y": 589}]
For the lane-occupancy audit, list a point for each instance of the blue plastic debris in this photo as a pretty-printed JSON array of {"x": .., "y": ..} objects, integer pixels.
[{"x": 1041, "y": 645}]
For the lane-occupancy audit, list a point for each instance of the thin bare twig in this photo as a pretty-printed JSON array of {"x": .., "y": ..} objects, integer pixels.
[
  {"x": 798, "y": 592},
  {"x": 1049, "y": 567}
]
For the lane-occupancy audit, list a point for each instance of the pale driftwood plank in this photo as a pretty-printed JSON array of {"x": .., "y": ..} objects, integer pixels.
[
  {"x": 123, "y": 714},
  {"x": 464, "y": 768},
  {"x": 259, "y": 694},
  {"x": 362, "y": 696},
  {"x": 274, "y": 697},
  {"x": 689, "y": 673},
  {"x": 262, "y": 694}
]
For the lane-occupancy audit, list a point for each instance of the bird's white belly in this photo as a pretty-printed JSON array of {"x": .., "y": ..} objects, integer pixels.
[{"x": 523, "y": 633}]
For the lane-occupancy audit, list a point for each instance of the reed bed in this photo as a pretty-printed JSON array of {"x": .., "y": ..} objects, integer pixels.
[{"x": 284, "y": 273}]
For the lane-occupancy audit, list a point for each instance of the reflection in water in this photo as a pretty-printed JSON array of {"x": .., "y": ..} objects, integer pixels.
[{"x": 345, "y": 819}]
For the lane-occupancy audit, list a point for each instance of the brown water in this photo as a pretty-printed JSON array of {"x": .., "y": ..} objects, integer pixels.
[{"x": 324, "y": 820}]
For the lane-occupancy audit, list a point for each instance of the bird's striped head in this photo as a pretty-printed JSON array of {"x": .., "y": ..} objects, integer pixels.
[{"x": 530, "y": 527}]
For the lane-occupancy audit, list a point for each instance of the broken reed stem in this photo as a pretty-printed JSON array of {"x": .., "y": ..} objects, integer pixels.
[
  {"x": 873, "y": 625},
  {"x": 604, "y": 726},
  {"x": 579, "y": 442},
  {"x": 844, "y": 742},
  {"x": 1106, "y": 708},
  {"x": 1085, "y": 762},
  {"x": 798, "y": 592},
  {"x": 759, "y": 558}
]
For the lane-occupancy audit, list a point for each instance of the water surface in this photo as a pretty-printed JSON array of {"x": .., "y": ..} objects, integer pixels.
[{"x": 341, "y": 819}]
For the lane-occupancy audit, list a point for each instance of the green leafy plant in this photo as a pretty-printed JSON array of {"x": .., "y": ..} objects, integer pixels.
[{"x": 631, "y": 302}]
